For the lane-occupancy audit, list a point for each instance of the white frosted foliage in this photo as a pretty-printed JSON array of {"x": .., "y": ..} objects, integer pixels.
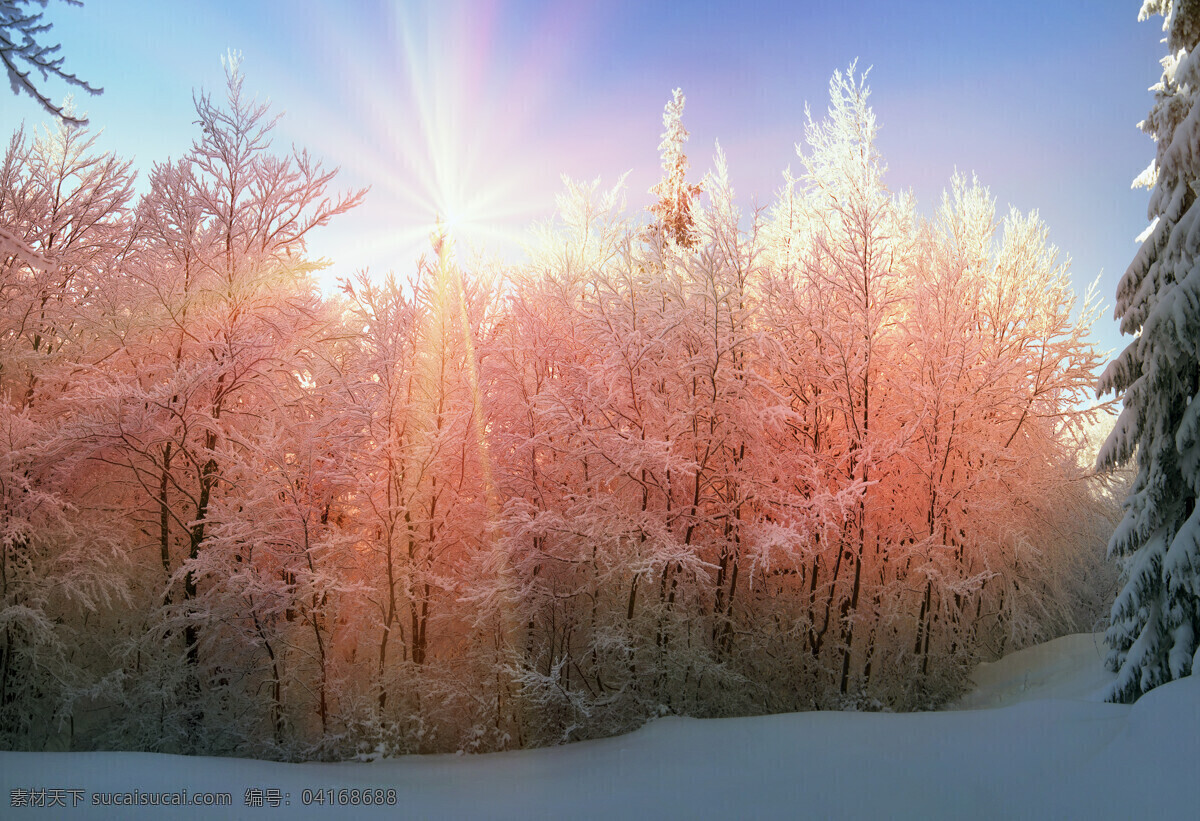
[{"x": 1156, "y": 617}]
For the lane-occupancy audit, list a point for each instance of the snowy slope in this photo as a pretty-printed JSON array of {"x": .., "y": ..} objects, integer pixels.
[
  {"x": 1071, "y": 667},
  {"x": 1052, "y": 751}
]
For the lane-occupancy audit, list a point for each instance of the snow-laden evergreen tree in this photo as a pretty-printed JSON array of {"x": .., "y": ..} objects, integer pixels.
[
  {"x": 1155, "y": 619},
  {"x": 673, "y": 210}
]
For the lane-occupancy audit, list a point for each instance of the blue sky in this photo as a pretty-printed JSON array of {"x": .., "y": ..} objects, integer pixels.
[{"x": 488, "y": 103}]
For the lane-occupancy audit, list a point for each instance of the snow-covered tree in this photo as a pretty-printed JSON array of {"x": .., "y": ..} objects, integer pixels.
[
  {"x": 673, "y": 210},
  {"x": 1155, "y": 620},
  {"x": 858, "y": 253},
  {"x": 1001, "y": 364},
  {"x": 64, "y": 207},
  {"x": 64, "y": 210},
  {"x": 218, "y": 319}
]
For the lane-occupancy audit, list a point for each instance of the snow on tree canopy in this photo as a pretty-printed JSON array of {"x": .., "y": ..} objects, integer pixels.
[
  {"x": 1155, "y": 619},
  {"x": 675, "y": 194}
]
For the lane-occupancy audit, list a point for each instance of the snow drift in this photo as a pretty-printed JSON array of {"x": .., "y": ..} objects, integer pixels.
[{"x": 1033, "y": 740}]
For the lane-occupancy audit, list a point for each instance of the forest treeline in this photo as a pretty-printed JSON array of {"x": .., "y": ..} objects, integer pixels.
[{"x": 696, "y": 462}]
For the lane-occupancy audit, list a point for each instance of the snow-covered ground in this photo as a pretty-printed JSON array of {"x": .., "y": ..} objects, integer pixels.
[{"x": 1033, "y": 741}]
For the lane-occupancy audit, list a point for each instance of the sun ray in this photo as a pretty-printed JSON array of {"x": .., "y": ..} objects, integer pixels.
[{"x": 453, "y": 126}]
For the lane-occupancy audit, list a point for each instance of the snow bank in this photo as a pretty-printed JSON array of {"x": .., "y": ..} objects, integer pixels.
[
  {"x": 1071, "y": 667},
  {"x": 1052, "y": 750}
]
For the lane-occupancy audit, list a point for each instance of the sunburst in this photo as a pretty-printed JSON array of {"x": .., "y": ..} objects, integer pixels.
[{"x": 439, "y": 124}]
